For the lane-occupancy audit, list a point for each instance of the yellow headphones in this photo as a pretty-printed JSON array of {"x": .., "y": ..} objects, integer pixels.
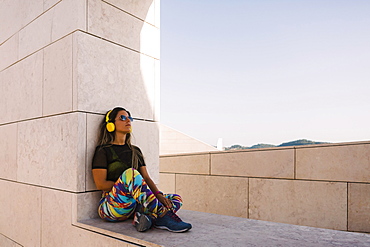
[{"x": 110, "y": 126}]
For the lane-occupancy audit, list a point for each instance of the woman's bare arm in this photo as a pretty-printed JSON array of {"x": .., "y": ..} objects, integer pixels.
[{"x": 100, "y": 179}]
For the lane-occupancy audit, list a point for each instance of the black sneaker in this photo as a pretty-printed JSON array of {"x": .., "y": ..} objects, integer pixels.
[
  {"x": 142, "y": 222},
  {"x": 171, "y": 222}
]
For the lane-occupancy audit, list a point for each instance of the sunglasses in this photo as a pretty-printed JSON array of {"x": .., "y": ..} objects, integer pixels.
[{"x": 124, "y": 118}]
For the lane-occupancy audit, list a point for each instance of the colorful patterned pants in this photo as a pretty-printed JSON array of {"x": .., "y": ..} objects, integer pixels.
[{"x": 129, "y": 193}]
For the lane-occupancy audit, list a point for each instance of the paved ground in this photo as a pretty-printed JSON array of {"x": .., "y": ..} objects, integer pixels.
[{"x": 218, "y": 230}]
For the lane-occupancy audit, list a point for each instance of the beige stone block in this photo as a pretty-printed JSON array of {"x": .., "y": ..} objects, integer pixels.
[
  {"x": 115, "y": 231},
  {"x": 57, "y": 89},
  {"x": 20, "y": 208},
  {"x": 9, "y": 52},
  {"x": 167, "y": 183},
  {"x": 85, "y": 205},
  {"x": 150, "y": 40},
  {"x": 21, "y": 90},
  {"x": 84, "y": 237},
  {"x": 35, "y": 36},
  {"x": 359, "y": 207},
  {"x": 213, "y": 194},
  {"x": 6, "y": 242},
  {"x": 56, "y": 218},
  {"x": 67, "y": 17},
  {"x": 92, "y": 131},
  {"x": 114, "y": 24},
  {"x": 157, "y": 90},
  {"x": 157, "y": 13},
  {"x": 192, "y": 164},
  {"x": 54, "y": 158},
  {"x": 15, "y": 14},
  {"x": 308, "y": 203},
  {"x": 147, "y": 72},
  {"x": 173, "y": 142},
  {"x": 272, "y": 163},
  {"x": 120, "y": 82},
  {"x": 8, "y": 156},
  {"x": 147, "y": 10},
  {"x": 145, "y": 135},
  {"x": 56, "y": 226},
  {"x": 336, "y": 163},
  {"x": 62, "y": 19},
  {"x": 109, "y": 22},
  {"x": 50, "y": 3}
]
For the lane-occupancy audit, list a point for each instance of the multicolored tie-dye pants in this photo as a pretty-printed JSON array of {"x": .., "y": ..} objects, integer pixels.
[{"x": 129, "y": 193}]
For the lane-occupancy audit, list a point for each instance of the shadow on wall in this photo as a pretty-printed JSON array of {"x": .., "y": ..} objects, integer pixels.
[
  {"x": 65, "y": 64},
  {"x": 121, "y": 72}
]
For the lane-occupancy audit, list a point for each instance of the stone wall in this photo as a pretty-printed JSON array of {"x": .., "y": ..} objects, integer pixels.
[
  {"x": 63, "y": 64},
  {"x": 326, "y": 186},
  {"x": 172, "y": 141}
]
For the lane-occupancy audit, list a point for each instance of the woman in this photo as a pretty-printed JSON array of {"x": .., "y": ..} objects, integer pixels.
[{"x": 120, "y": 172}]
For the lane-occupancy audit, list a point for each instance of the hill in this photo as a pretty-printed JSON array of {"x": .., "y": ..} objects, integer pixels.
[{"x": 285, "y": 144}]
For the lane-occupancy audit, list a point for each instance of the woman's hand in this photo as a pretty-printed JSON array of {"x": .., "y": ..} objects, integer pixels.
[{"x": 165, "y": 201}]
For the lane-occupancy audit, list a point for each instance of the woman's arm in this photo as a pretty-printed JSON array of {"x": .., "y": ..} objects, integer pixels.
[
  {"x": 165, "y": 201},
  {"x": 100, "y": 179}
]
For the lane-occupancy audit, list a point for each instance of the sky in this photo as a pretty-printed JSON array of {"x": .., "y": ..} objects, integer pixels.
[{"x": 266, "y": 71}]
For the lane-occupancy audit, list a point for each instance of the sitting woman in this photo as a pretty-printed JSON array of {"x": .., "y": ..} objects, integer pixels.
[{"x": 119, "y": 170}]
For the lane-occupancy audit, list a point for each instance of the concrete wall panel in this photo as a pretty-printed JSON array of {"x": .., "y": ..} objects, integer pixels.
[
  {"x": 15, "y": 14},
  {"x": 64, "y": 233},
  {"x": 111, "y": 23},
  {"x": 57, "y": 89},
  {"x": 173, "y": 142},
  {"x": 36, "y": 35},
  {"x": 335, "y": 163},
  {"x": 157, "y": 90},
  {"x": 359, "y": 207},
  {"x": 150, "y": 40},
  {"x": 145, "y": 10},
  {"x": 167, "y": 183},
  {"x": 64, "y": 18},
  {"x": 49, "y": 3},
  {"x": 85, "y": 205},
  {"x": 56, "y": 157},
  {"x": 21, "y": 94},
  {"x": 309, "y": 203},
  {"x": 274, "y": 163},
  {"x": 8, "y": 154},
  {"x": 20, "y": 208},
  {"x": 92, "y": 130},
  {"x": 146, "y": 137},
  {"x": 9, "y": 52},
  {"x": 213, "y": 194},
  {"x": 192, "y": 164},
  {"x": 68, "y": 16},
  {"x": 6, "y": 242},
  {"x": 56, "y": 82},
  {"x": 56, "y": 207},
  {"x": 120, "y": 82}
]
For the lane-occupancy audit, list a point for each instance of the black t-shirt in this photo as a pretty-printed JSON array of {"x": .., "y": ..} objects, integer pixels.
[{"x": 115, "y": 158}]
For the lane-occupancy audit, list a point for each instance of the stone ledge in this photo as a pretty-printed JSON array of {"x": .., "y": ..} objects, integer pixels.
[{"x": 219, "y": 230}]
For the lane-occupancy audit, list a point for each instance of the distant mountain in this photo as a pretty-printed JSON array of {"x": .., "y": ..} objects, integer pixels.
[
  {"x": 261, "y": 145},
  {"x": 299, "y": 142},
  {"x": 285, "y": 144}
]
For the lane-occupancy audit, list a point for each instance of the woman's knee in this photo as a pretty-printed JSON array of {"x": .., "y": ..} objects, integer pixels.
[
  {"x": 131, "y": 173},
  {"x": 174, "y": 197}
]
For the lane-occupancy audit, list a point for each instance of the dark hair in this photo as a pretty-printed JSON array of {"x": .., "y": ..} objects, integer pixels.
[{"x": 106, "y": 138}]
